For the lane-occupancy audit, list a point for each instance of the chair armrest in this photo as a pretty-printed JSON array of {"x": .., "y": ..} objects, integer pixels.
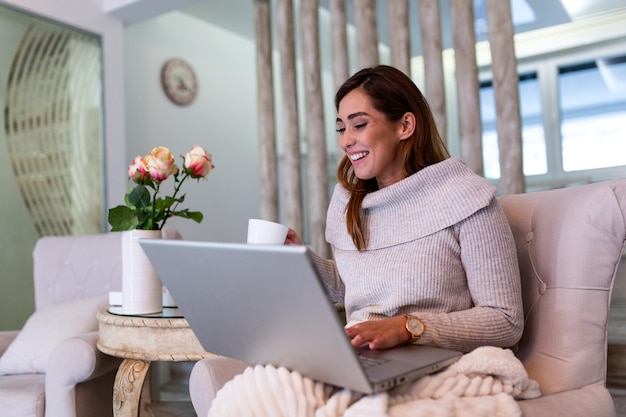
[
  {"x": 592, "y": 400},
  {"x": 6, "y": 337},
  {"x": 73, "y": 361},
  {"x": 78, "y": 359},
  {"x": 208, "y": 376}
]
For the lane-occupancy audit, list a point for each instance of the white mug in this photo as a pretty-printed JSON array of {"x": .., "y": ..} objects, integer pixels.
[{"x": 265, "y": 232}]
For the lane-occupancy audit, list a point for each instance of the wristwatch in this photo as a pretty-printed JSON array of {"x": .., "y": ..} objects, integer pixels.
[{"x": 414, "y": 326}]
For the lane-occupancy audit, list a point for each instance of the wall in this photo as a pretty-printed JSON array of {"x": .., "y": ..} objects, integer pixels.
[{"x": 222, "y": 119}]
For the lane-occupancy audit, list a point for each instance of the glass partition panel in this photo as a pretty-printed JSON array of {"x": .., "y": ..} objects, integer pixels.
[{"x": 53, "y": 128}]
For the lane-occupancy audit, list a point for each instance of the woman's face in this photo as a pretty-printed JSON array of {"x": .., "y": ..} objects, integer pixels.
[{"x": 370, "y": 140}]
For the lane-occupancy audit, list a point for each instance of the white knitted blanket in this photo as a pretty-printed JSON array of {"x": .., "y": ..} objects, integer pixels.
[{"x": 485, "y": 382}]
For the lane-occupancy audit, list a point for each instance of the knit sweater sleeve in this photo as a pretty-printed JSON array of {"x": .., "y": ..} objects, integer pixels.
[
  {"x": 489, "y": 257},
  {"x": 327, "y": 270}
]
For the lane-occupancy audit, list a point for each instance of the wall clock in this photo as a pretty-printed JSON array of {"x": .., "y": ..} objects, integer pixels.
[{"x": 179, "y": 81}]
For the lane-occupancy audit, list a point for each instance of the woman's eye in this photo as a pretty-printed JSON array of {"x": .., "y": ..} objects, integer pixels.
[
  {"x": 340, "y": 130},
  {"x": 360, "y": 126}
]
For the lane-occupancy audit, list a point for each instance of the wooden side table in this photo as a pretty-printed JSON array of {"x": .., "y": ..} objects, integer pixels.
[{"x": 139, "y": 340}]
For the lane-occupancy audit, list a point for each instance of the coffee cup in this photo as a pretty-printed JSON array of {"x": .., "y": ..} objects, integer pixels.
[{"x": 265, "y": 232}]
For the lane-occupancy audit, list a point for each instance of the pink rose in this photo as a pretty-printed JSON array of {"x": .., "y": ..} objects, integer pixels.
[
  {"x": 198, "y": 163},
  {"x": 160, "y": 163},
  {"x": 137, "y": 171}
]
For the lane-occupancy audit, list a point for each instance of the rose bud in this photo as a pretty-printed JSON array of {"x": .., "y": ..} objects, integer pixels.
[
  {"x": 137, "y": 171},
  {"x": 198, "y": 163}
]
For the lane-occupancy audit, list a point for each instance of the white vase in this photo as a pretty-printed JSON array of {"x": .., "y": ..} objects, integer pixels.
[{"x": 142, "y": 290}]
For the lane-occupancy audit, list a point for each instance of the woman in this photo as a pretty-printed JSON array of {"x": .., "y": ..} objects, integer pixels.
[{"x": 422, "y": 251}]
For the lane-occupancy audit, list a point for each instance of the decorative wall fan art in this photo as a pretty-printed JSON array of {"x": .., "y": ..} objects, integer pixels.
[{"x": 53, "y": 109}]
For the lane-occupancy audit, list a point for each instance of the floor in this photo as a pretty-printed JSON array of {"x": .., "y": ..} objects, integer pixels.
[
  {"x": 619, "y": 398},
  {"x": 173, "y": 398}
]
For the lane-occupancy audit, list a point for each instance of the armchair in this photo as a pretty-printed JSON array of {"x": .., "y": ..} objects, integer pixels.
[
  {"x": 52, "y": 367},
  {"x": 570, "y": 242}
]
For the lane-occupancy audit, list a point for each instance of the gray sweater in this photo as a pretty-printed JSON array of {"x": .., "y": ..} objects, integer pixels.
[{"x": 439, "y": 247}]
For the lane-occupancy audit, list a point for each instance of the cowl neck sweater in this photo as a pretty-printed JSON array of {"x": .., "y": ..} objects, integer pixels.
[{"x": 430, "y": 200}]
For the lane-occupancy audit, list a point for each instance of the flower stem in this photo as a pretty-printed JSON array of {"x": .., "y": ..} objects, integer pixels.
[
  {"x": 154, "y": 199},
  {"x": 176, "y": 189}
]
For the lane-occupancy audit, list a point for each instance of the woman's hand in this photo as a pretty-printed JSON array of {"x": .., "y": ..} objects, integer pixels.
[
  {"x": 379, "y": 334},
  {"x": 292, "y": 238}
]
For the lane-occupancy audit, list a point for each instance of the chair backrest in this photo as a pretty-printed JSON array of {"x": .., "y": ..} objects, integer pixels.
[
  {"x": 73, "y": 267},
  {"x": 570, "y": 242}
]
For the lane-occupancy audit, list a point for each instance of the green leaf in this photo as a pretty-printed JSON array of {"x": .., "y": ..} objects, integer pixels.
[
  {"x": 140, "y": 197},
  {"x": 127, "y": 201},
  {"x": 196, "y": 216},
  {"x": 122, "y": 218},
  {"x": 165, "y": 203},
  {"x": 193, "y": 215},
  {"x": 144, "y": 220}
]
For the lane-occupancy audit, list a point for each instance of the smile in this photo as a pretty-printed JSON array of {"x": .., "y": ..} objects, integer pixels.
[{"x": 357, "y": 156}]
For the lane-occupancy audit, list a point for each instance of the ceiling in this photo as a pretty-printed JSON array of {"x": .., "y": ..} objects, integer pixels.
[{"x": 238, "y": 15}]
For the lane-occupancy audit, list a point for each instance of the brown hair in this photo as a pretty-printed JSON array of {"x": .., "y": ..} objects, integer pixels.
[{"x": 394, "y": 94}]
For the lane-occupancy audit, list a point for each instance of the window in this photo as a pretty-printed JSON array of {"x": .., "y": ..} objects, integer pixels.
[
  {"x": 573, "y": 114},
  {"x": 592, "y": 105},
  {"x": 533, "y": 137}
]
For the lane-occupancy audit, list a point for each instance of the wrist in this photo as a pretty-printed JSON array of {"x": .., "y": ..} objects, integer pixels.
[{"x": 406, "y": 334}]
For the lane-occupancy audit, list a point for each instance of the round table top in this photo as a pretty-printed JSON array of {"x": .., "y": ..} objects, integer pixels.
[
  {"x": 155, "y": 337},
  {"x": 166, "y": 313}
]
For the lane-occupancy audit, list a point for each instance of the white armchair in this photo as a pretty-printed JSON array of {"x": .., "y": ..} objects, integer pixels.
[
  {"x": 570, "y": 242},
  {"x": 52, "y": 367}
]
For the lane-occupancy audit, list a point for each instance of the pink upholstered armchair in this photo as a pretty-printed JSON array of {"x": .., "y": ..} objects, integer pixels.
[
  {"x": 570, "y": 242},
  {"x": 52, "y": 367}
]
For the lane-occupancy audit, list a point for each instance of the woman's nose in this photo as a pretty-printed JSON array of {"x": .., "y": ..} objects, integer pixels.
[{"x": 346, "y": 141}]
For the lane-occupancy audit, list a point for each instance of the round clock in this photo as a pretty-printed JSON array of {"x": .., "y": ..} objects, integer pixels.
[{"x": 179, "y": 81}]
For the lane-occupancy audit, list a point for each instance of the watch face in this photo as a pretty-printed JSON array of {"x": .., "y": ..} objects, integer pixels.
[
  {"x": 179, "y": 81},
  {"x": 415, "y": 326}
]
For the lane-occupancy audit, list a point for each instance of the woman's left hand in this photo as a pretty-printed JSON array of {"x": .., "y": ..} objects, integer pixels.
[
  {"x": 379, "y": 334},
  {"x": 292, "y": 238}
]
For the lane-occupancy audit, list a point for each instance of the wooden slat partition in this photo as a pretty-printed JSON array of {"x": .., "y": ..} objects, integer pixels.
[
  {"x": 434, "y": 91},
  {"x": 399, "y": 34},
  {"x": 470, "y": 126},
  {"x": 367, "y": 51},
  {"x": 339, "y": 42},
  {"x": 505, "y": 86},
  {"x": 317, "y": 174},
  {"x": 268, "y": 170},
  {"x": 367, "y": 33},
  {"x": 292, "y": 167}
]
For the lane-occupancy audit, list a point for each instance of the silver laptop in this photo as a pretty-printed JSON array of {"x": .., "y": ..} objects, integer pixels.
[{"x": 266, "y": 305}]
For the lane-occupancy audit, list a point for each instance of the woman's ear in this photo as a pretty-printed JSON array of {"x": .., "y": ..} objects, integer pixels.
[{"x": 407, "y": 126}]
